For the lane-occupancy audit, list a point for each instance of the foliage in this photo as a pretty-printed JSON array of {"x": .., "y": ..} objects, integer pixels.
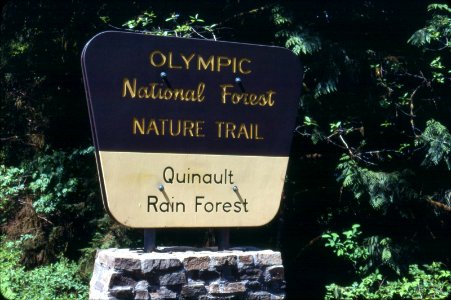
[
  {"x": 107, "y": 234},
  {"x": 382, "y": 188},
  {"x": 298, "y": 39},
  {"x": 365, "y": 255},
  {"x": 348, "y": 246},
  {"x": 41, "y": 195},
  {"x": 49, "y": 182},
  {"x": 437, "y": 32},
  {"x": 50, "y": 179},
  {"x": 194, "y": 26},
  {"x": 371, "y": 146},
  {"x": 11, "y": 185},
  {"x": 437, "y": 139},
  {"x": 55, "y": 281},
  {"x": 382, "y": 172},
  {"x": 305, "y": 43},
  {"x": 433, "y": 281}
]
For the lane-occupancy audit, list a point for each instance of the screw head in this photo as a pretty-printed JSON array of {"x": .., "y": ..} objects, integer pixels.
[
  {"x": 237, "y": 80},
  {"x": 235, "y": 188},
  {"x": 163, "y": 75},
  {"x": 161, "y": 187}
]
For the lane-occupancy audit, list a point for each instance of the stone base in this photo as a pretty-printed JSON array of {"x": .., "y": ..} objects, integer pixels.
[{"x": 172, "y": 274}]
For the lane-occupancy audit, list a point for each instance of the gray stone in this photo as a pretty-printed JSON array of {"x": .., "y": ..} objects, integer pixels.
[
  {"x": 245, "y": 260},
  {"x": 227, "y": 288},
  {"x": 120, "y": 279},
  {"x": 196, "y": 263},
  {"x": 251, "y": 274},
  {"x": 209, "y": 276},
  {"x": 275, "y": 286},
  {"x": 142, "y": 295},
  {"x": 104, "y": 258},
  {"x": 268, "y": 258},
  {"x": 262, "y": 295},
  {"x": 259, "y": 296},
  {"x": 142, "y": 286},
  {"x": 100, "y": 283},
  {"x": 153, "y": 265},
  {"x": 206, "y": 275},
  {"x": 193, "y": 291},
  {"x": 163, "y": 294},
  {"x": 211, "y": 297},
  {"x": 127, "y": 264},
  {"x": 122, "y": 292},
  {"x": 253, "y": 286},
  {"x": 142, "y": 290},
  {"x": 176, "y": 278},
  {"x": 169, "y": 264},
  {"x": 275, "y": 273},
  {"x": 220, "y": 261}
]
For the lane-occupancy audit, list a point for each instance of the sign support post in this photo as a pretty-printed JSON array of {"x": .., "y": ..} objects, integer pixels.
[
  {"x": 149, "y": 240},
  {"x": 223, "y": 239}
]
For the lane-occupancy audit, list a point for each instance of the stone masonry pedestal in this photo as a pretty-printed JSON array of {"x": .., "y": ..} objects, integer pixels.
[{"x": 175, "y": 274}]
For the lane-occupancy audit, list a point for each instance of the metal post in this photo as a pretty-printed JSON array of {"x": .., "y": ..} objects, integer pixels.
[
  {"x": 223, "y": 239},
  {"x": 149, "y": 240}
]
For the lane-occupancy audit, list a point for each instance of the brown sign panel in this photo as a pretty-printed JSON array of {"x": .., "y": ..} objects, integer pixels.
[{"x": 190, "y": 133}]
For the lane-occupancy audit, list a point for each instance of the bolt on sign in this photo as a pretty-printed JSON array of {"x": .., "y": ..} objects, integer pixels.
[{"x": 190, "y": 133}]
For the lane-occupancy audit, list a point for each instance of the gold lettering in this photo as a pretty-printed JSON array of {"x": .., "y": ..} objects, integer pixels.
[
  {"x": 163, "y": 128},
  {"x": 127, "y": 87},
  {"x": 152, "y": 126},
  {"x": 162, "y": 59},
  {"x": 171, "y": 66},
  {"x": 188, "y": 127},
  {"x": 230, "y": 128},
  {"x": 236, "y": 98},
  {"x": 187, "y": 60},
  {"x": 270, "y": 100},
  {"x": 142, "y": 92},
  {"x": 248, "y": 131},
  {"x": 220, "y": 64},
  {"x": 219, "y": 128},
  {"x": 201, "y": 63},
  {"x": 152, "y": 88},
  {"x": 171, "y": 131},
  {"x": 189, "y": 95},
  {"x": 224, "y": 93},
  {"x": 240, "y": 66},
  {"x": 160, "y": 94},
  {"x": 213, "y": 63},
  {"x": 199, "y": 128},
  {"x": 178, "y": 94},
  {"x": 256, "y": 133},
  {"x": 138, "y": 125},
  {"x": 252, "y": 99},
  {"x": 168, "y": 94},
  {"x": 173, "y": 128},
  {"x": 156, "y": 91},
  {"x": 200, "y": 92},
  {"x": 242, "y": 130}
]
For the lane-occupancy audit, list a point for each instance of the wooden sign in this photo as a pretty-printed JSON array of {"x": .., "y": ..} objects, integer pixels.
[{"x": 190, "y": 133}]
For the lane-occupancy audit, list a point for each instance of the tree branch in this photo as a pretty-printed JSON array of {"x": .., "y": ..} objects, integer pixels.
[{"x": 439, "y": 205}]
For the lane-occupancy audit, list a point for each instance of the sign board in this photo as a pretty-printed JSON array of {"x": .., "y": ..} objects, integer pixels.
[{"x": 190, "y": 133}]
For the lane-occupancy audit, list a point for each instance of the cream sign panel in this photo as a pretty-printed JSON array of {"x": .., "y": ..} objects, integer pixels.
[{"x": 190, "y": 133}]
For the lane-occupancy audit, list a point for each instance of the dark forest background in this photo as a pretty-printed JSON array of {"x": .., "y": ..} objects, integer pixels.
[{"x": 367, "y": 198}]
